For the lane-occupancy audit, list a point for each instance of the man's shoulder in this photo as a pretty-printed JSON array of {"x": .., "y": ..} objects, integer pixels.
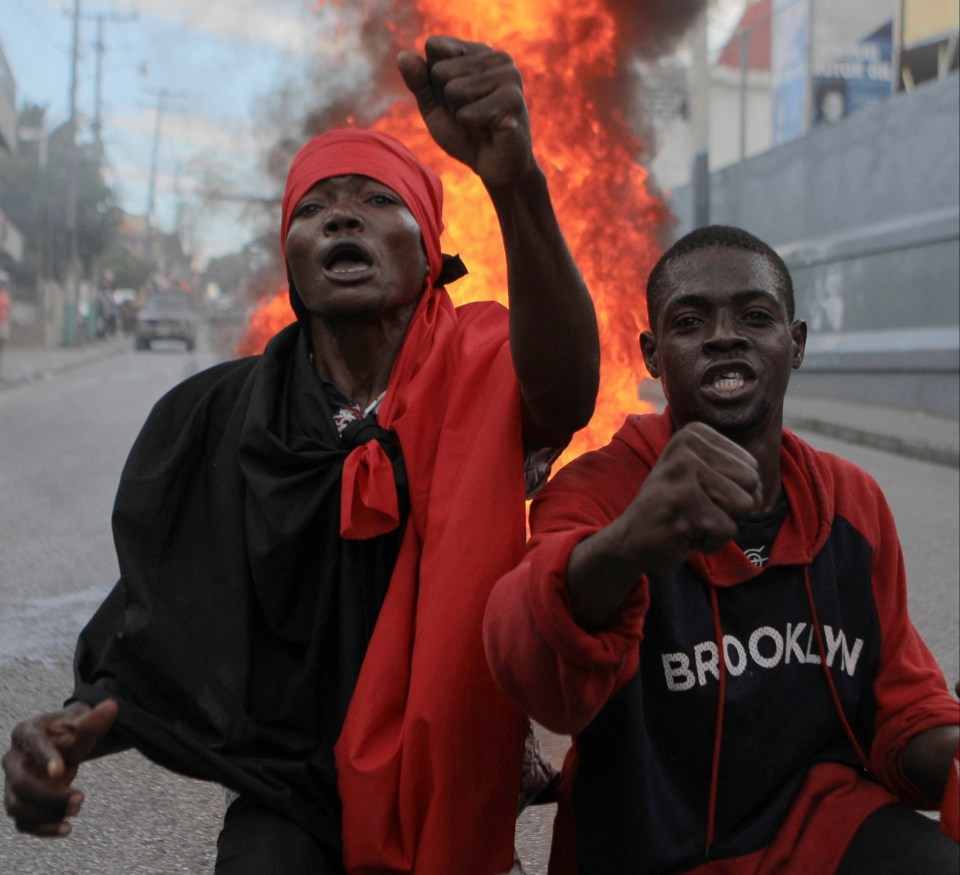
[
  {"x": 193, "y": 411},
  {"x": 840, "y": 487},
  {"x": 222, "y": 374},
  {"x": 477, "y": 309},
  {"x": 489, "y": 314},
  {"x": 220, "y": 383},
  {"x": 481, "y": 329},
  {"x": 837, "y": 472},
  {"x": 645, "y": 433}
]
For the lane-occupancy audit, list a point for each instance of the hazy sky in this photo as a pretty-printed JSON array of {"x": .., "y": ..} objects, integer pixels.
[{"x": 216, "y": 60}]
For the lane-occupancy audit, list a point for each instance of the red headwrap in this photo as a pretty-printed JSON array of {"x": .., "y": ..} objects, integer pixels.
[{"x": 381, "y": 157}]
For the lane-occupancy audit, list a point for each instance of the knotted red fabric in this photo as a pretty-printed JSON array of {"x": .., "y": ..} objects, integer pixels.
[
  {"x": 368, "y": 494},
  {"x": 429, "y": 757}
]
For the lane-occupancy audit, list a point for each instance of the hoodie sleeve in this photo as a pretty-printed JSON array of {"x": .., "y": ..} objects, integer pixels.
[
  {"x": 910, "y": 690},
  {"x": 557, "y": 672}
]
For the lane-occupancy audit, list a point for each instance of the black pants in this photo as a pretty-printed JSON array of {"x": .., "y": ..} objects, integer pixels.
[
  {"x": 896, "y": 840},
  {"x": 256, "y": 841}
]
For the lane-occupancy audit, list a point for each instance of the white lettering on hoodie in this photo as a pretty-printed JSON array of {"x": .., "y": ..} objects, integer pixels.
[{"x": 766, "y": 648}]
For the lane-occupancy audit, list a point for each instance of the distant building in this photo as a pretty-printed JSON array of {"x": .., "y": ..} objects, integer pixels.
[
  {"x": 8, "y": 106},
  {"x": 11, "y": 240},
  {"x": 133, "y": 232},
  {"x": 829, "y": 60},
  {"x": 788, "y": 67},
  {"x": 927, "y": 44},
  {"x": 739, "y": 100},
  {"x": 171, "y": 265}
]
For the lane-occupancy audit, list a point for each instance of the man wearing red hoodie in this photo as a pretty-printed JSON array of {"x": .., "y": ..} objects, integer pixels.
[{"x": 717, "y": 612}]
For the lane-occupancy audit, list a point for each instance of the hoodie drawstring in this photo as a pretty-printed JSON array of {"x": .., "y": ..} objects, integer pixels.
[
  {"x": 834, "y": 696},
  {"x": 721, "y": 697},
  {"x": 718, "y": 732}
]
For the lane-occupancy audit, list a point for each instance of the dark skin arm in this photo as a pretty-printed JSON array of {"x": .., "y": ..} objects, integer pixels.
[
  {"x": 701, "y": 485},
  {"x": 471, "y": 98},
  {"x": 42, "y": 762},
  {"x": 927, "y": 758}
]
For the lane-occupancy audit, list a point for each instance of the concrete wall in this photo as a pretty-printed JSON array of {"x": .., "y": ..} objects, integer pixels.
[
  {"x": 867, "y": 216},
  {"x": 726, "y": 102}
]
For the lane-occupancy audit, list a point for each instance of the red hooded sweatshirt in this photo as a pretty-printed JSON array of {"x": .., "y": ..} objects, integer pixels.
[{"x": 767, "y": 758}]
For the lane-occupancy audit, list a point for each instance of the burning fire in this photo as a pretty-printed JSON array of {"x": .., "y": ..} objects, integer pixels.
[{"x": 566, "y": 53}]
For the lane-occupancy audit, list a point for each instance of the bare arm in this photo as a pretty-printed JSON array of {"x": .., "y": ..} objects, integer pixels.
[
  {"x": 42, "y": 762},
  {"x": 928, "y": 757},
  {"x": 701, "y": 485},
  {"x": 471, "y": 98}
]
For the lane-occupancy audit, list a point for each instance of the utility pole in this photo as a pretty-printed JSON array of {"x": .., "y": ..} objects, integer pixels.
[
  {"x": 901, "y": 77},
  {"x": 161, "y": 106},
  {"x": 180, "y": 224},
  {"x": 700, "y": 121},
  {"x": 99, "y": 47},
  {"x": 72, "y": 291},
  {"x": 152, "y": 189}
]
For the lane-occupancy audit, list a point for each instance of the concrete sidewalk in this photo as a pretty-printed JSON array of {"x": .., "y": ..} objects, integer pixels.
[
  {"x": 26, "y": 364},
  {"x": 906, "y": 433}
]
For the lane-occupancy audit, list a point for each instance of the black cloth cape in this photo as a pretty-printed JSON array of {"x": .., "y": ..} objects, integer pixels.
[{"x": 236, "y": 632}]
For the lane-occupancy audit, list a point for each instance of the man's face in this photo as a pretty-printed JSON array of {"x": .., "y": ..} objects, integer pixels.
[
  {"x": 723, "y": 345},
  {"x": 354, "y": 250}
]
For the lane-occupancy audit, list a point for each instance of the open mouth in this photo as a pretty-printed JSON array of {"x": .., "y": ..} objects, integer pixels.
[
  {"x": 347, "y": 262},
  {"x": 727, "y": 381}
]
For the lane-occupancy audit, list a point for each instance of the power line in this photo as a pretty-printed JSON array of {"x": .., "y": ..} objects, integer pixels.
[{"x": 72, "y": 291}]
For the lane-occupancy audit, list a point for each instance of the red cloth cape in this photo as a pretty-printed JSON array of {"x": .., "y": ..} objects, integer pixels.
[{"x": 429, "y": 757}]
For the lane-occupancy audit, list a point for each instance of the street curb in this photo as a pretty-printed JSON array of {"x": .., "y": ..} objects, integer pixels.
[
  {"x": 52, "y": 370},
  {"x": 912, "y": 449}
]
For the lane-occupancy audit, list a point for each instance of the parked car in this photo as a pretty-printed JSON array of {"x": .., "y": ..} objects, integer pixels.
[{"x": 166, "y": 316}]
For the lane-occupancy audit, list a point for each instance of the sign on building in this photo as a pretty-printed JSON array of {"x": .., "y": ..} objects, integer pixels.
[{"x": 828, "y": 61}]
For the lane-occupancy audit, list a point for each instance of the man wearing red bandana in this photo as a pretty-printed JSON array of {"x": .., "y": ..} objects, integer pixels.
[{"x": 307, "y": 538}]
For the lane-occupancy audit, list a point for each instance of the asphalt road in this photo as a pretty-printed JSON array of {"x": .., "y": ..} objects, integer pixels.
[{"x": 62, "y": 445}]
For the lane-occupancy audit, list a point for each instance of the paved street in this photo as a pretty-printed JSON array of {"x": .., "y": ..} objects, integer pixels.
[{"x": 63, "y": 441}]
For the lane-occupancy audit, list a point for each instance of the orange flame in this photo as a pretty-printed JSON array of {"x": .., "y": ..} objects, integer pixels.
[
  {"x": 609, "y": 217},
  {"x": 272, "y": 314}
]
